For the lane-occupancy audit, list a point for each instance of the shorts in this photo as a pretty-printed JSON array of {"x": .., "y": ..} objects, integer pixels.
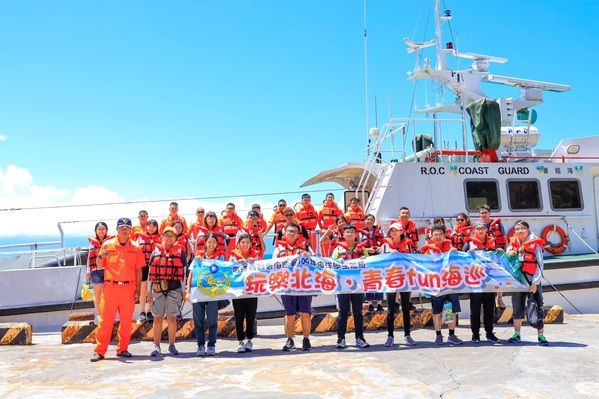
[
  {"x": 519, "y": 302},
  {"x": 296, "y": 303},
  {"x": 439, "y": 301},
  {"x": 167, "y": 304},
  {"x": 145, "y": 272},
  {"x": 97, "y": 276}
]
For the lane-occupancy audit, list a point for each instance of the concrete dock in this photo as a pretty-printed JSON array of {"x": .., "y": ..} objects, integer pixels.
[{"x": 568, "y": 368}]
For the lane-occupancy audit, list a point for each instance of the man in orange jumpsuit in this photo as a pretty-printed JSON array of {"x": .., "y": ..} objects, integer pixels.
[{"x": 122, "y": 260}]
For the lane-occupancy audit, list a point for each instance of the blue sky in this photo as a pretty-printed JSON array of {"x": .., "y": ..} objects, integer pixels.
[{"x": 131, "y": 100}]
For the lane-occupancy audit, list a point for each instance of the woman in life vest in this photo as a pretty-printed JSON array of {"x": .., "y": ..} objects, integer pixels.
[
  {"x": 372, "y": 237},
  {"x": 332, "y": 235},
  {"x": 347, "y": 249},
  {"x": 462, "y": 229},
  {"x": 147, "y": 242},
  {"x": 253, "y": 229},
  {"x": 409, "y": 227},
  {"x": 95, "y": 274},
  {"x": 245, "y": 308},
  {"x": 211, "y": 226},
  {"x": 167, "y": 271},
  {"x": 398, "y": 242},
  {"x": 529, "y": 249},
  {"x": 480, "y": 241},
  {"x": 440, "y": 245},
  {"x": 205, "y": 313}
]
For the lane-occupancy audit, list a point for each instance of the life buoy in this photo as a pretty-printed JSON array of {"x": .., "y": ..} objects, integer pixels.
[{"x": 558, "y": 248}]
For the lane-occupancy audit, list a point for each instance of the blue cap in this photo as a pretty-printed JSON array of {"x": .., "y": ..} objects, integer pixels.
[{"x": 124, "y": 222}]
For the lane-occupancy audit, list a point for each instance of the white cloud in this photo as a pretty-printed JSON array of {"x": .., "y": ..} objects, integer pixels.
[
  {"x": 18, "y": 190},
  {"x": 3, "y": 137}
]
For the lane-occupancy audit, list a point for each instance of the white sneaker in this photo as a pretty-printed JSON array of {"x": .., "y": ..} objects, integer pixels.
[
  {"x": 389, "y": 342},
  {"x": 241, "y": 348},
  {"x": 361, "y": 343},
  {"x": 201, "y": 351},
  {"x": 341, "y": 344},
  {"x": 211, "y": 351},
  {"x": 249, "y": 346}
]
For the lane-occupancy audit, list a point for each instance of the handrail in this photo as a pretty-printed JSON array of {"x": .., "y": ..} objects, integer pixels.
[
  {"x": 31, "y": 261},
  {"x": 32, "y": 245},
  {"x": 562, "y": 157}
]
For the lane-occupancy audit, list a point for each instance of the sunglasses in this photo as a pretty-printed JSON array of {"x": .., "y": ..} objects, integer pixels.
[
  {"x": 199, "y": 212},
  {"x": 282, "y": 205},
  {"x": 289, "y": 214},
  {"x": 143, "y": 216}
]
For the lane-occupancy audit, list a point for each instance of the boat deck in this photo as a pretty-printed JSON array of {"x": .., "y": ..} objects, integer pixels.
[{"x": 569, "y": 368}]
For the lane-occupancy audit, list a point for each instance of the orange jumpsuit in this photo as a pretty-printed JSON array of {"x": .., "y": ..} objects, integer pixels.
[{"x": 121, "y": 264}]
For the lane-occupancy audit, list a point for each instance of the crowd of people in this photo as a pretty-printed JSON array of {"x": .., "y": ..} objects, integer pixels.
[{"x": 151, "y": 262}]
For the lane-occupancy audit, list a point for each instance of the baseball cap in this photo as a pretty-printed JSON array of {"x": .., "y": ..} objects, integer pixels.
[
  {"x": 169, "y": 229},
  {"x": 124, "y": 222},
  {"x": 396, "y": 226},
  {"x": 254, "y": 206},
  {"x": 253, "y": 213}
]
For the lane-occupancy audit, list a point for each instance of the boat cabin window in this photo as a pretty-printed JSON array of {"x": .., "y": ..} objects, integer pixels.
[
  {"x": 565, "y": 194},
  {"x": 482, "y": 192},
  {"x": 524, "y": 195}
]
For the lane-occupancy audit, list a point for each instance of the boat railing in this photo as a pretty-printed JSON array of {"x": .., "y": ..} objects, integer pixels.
[
  {"x": 401, "y": 129},
  {"x": 35, "y": 258}
]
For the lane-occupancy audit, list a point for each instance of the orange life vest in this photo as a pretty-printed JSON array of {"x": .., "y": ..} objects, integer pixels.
[
  {"x": 346, "y": 253},
  {"x": 374, "y": 237},
  {"x": 231, "y": 224},
  {"x": 182, "y": 240},
  {"x": 356, "y": 217},
  {"x": 254, "y": 233},
  {"x": 409, "y": 229},
  {"x": 238, "y": 255},
  {"x": 92, "y": 257},
  {"x": 194, "y": 229},
  {"x": 488, "y": 245},
  {"x": 262, "y": 222},
  {"x": 495, "y": 231},
  {"x": 529, "y": 262},
  {"x": 167, "y": 264},
  {"x": 220, "y": 239},
  {"x": 307, "y": 216},
  {"x": 286, "y": 249},
  {"x": 279, "y": 220},
  {"x": 170, "y": 221},
  {"x": 328, "y": 214},
  {"x": 147, "y": 244},
  {"x": 405, "y": 246},
  {"x": 433, "y": 249},
  {"x": 459, "y": 235}
]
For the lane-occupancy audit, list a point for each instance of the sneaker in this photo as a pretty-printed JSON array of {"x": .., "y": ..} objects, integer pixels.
[
  {"x": 439, "y": 340},
  {"x": 289, "y": 345},
  {"x": 341, "y": 343},
  {"x": 409, "y": 340},
  {"x": 249, "y": 346},
  {"x": 201, "y": 351},
  {"x": 543, "y": 341},
  {"x": 389, "y": 342},
  {"x": 514, "y": 339},
  {"x": 156, "y": 352},
  {"x": 124, "y": 353},
  {"x": 149, "y": 317},
  {"x": 211, "y": 351},
  {"x": 491, "y": 337},
  {"x": 379, "y": 308},
  {"x": 306, "y": 345},
  {"x": 241, "y": 348},
  {"x": 172, "y": 350},
  {"x": 370, "y": 308},
  {"x": 96, "y": 357},
  {"x": 142, "y": 316},
  {"x": 361, "y": 343},
  {"x": 475, "y": 337},
  {"x": 453, "y": 339}
]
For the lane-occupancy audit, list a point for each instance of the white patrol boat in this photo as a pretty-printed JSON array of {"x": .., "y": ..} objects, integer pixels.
[{"x": 556, "y": 191}]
